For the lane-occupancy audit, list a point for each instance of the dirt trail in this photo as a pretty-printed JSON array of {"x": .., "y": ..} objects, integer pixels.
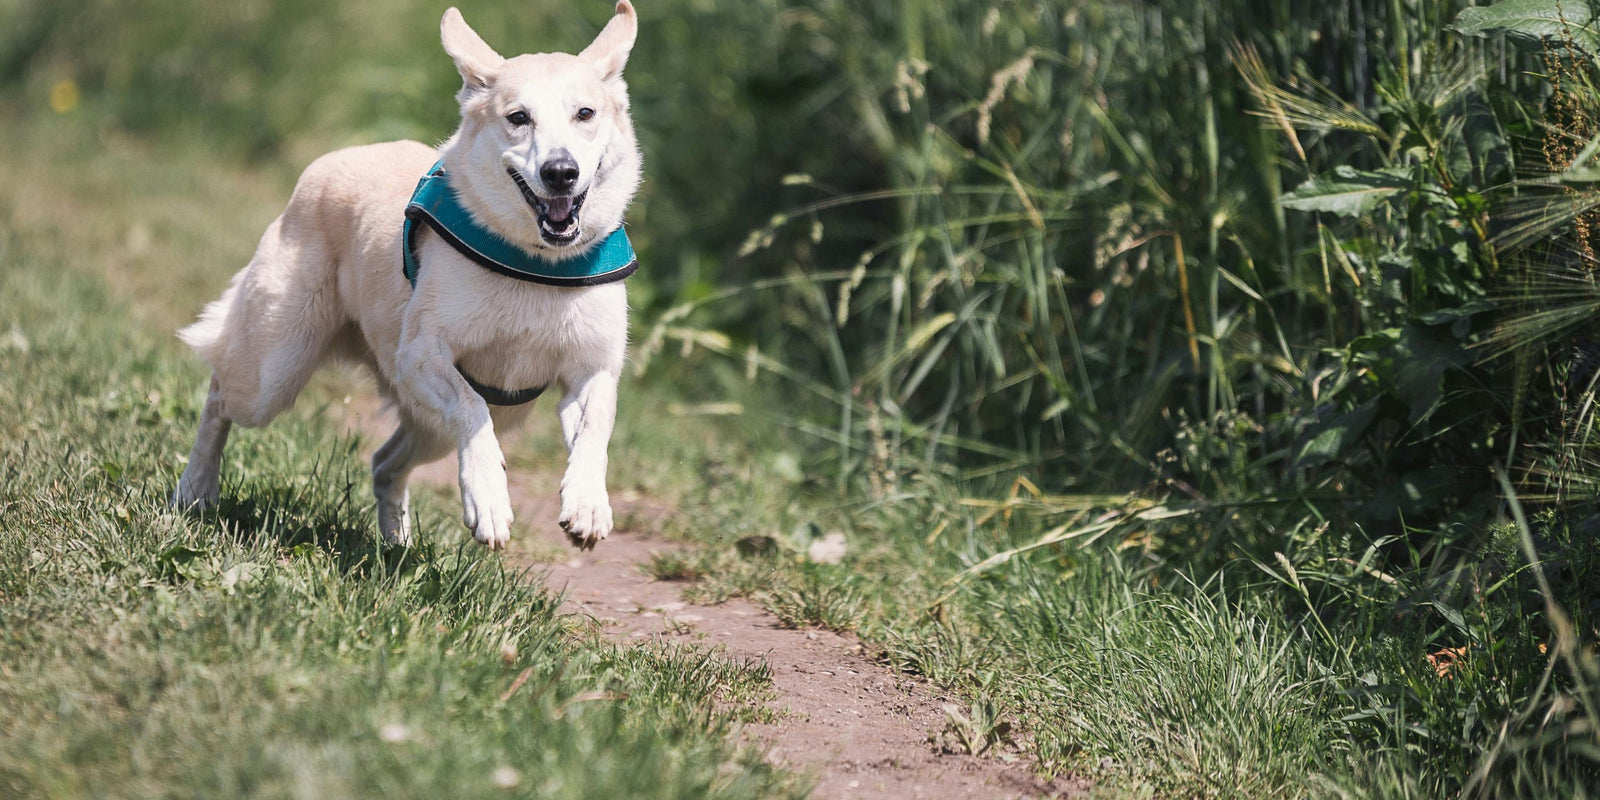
[{"x": 858, "y": 728}]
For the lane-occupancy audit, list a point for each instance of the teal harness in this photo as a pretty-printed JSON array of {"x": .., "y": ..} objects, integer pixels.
[{"x": 435, "y": 203}]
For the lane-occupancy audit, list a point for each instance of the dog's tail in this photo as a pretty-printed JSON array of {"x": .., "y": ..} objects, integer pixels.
[{"x": 207, "y": 333}]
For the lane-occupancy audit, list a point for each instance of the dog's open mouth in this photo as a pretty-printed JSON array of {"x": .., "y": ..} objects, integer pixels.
[{"x": 558, "y": 216}]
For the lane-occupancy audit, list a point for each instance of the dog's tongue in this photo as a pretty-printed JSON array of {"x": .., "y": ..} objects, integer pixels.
[{"x": 559, "y": 209}]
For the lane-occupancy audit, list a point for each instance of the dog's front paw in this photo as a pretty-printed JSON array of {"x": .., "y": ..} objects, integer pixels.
[
  {"x": 586, "y": 517},
  {"x": 485, "y": 501}
]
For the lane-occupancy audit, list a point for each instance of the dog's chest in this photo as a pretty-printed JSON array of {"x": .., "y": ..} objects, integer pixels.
[{"x": 517, "y": 334}]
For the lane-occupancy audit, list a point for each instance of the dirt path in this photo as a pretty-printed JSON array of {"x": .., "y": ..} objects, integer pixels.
[{"x": 858, "y": 728}]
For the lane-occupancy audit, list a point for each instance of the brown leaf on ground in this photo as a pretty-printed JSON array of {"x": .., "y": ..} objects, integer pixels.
[{"x": 1447, "y": 660}]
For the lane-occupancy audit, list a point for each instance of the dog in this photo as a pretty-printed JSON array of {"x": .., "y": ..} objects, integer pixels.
[{"x": 467, "y": 277}]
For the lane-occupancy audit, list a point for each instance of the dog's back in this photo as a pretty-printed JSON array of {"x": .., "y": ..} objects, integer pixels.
[{"x": 283, "y": 314}]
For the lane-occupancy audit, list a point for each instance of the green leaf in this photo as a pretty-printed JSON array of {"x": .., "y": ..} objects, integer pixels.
[
  {"x": 1422, "y": 355},
  {"x": 1329, "y": 439},
  {"x": 1348, "y": 192},
  {"x": 1530, "y": 21},
  {"x": 180, "y": 563},
  {"x": 241, "y": 574},
  {"x": 1375, "y": 342}
]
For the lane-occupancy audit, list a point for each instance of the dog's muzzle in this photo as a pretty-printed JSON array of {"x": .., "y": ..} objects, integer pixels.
[{"x": 558, "y": 216}]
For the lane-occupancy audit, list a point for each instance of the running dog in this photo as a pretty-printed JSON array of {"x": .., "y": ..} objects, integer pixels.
[{"x": 468, "y": 277}]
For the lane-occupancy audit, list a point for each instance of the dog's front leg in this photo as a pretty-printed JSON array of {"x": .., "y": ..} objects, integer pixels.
[
  {"x": 588, "y": 413},
  {"x": 442, "y": 400}
]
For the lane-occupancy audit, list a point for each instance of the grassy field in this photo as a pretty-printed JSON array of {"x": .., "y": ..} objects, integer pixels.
[
  {"x": 1206, "y": 399},
  {"x": 272, "y": 649}
]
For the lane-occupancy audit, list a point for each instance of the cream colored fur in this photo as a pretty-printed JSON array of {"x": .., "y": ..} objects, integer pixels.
[{"x": 326, "y": 280}]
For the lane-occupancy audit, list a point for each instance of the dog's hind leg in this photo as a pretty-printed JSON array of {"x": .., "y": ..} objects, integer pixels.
[
  {"x": 409, "y": 447},
  {"x": 200, "y": 485},
  {"x": 274, "y": 325}
]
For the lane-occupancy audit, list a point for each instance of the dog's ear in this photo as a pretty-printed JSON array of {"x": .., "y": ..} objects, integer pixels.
[
  {"x": 609, "y": 51},
  {"x": 475, "y": 59}
]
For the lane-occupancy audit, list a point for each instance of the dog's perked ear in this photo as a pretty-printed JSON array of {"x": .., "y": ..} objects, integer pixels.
[
  {"x": 609, "y": 51},
  {"x": 475, "y": 59}
]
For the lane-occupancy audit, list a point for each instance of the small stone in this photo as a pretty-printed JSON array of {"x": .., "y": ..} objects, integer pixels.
[
  {"x": 830, "y": 549},
  {"x": 16, "y": 340},
  {"x": 811, "y": 634},
  {"x": 505, "y": 778},
  {"x": 394, "y": 733}
]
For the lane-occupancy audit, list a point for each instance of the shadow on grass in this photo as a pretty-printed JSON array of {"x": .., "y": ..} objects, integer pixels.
[
  {"x": 325, "y": 508},
  {"x": 319, "y": 508}
]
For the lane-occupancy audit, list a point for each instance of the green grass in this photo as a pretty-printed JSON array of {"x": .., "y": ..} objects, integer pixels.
[{"x": 274, "y": 648}]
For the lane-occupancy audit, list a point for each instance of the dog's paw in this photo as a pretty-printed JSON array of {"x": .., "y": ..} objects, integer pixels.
[
  {"x": 485, "y": 501},
  {"x": 586, "y": 518},
  {"x": 394, "y": 522},
  {"x": 189, "y": 497}
]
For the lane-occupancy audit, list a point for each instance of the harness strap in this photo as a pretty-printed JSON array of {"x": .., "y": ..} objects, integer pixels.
[{"x": 501, "y": 397}]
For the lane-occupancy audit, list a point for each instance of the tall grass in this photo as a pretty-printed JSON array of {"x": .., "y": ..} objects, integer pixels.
[{"x": 1092, "y": 281}]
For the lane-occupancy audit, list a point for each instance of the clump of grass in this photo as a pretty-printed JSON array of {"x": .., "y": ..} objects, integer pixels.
[
  {"x": 815, "y": 598},
  {"x": 675, "y": 565}
]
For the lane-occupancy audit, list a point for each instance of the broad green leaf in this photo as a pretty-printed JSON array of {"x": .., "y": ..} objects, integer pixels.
[
  {"x": 1422, "y": 355},
  {"x": 1330, "y": 438},
  {"x": 1530, "y": 21},
  {"x": 1347, "y": 192}
]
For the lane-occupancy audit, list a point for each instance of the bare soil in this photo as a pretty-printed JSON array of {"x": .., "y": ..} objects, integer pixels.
[{"x": 856, "y": 727}]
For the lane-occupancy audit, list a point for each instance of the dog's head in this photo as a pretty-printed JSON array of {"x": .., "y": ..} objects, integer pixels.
[{"x": 545, "y": 155}]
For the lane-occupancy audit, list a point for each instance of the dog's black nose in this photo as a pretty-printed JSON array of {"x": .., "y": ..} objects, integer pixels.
[{"x": 560, "y": 172}]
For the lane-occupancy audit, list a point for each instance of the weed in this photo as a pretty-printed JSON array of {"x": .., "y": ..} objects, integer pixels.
[
  {"x": 974, "y": 733},
  {"x": 815, "y": 598},
  {"x": 675, "y": 565}
]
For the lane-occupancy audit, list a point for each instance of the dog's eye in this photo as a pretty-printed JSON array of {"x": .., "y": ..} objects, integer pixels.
[
  {"x": 518, "y": 118},
  {"x": 585, "y": 114}
]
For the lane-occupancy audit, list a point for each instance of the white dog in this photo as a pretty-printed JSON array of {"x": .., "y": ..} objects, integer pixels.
[{"x": 466, "y": 292}]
